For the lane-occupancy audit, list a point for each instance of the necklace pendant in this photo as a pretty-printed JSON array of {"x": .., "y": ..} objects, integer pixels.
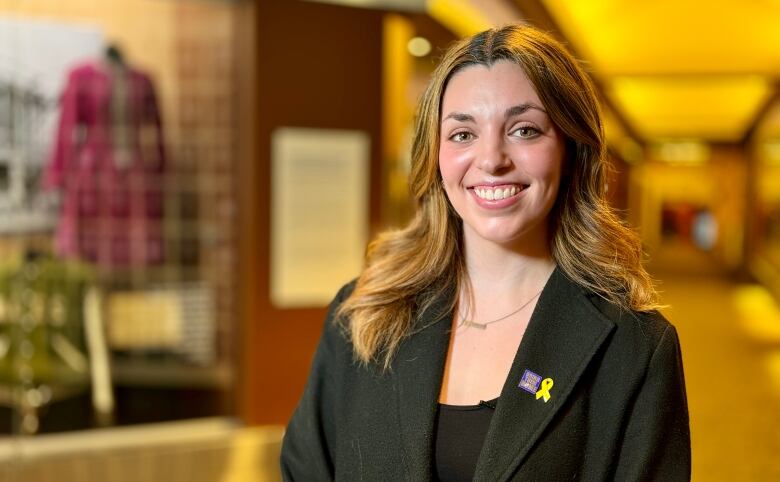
[{"x": 469, "y": 323}]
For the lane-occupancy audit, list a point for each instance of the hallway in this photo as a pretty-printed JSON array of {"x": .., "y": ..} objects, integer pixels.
[{"x": 730, "y": 336}]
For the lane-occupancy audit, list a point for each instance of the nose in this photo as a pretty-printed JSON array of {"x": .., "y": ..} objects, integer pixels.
[{"x": 493, "y": 155}]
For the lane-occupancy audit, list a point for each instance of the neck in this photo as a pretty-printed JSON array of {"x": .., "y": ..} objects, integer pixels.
[{"x": 517, "y": 269}]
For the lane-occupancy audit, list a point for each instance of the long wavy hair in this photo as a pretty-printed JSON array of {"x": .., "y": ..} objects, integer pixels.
[{"x": 407, "y": 269}]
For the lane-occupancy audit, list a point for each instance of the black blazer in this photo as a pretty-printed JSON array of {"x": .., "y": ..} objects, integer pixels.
[{"x": 617, "y": 407}]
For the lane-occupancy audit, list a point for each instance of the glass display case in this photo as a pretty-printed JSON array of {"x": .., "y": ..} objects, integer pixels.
[{"x": 118, "y": 203}]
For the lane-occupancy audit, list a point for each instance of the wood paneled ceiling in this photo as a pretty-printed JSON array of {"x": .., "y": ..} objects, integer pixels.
[
  {"x": 671, "y": 69},
  {"x": 679, "y": 69}
]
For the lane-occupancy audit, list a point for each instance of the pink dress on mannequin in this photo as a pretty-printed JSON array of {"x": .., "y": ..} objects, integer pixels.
[{"x": 108, "y": 162}]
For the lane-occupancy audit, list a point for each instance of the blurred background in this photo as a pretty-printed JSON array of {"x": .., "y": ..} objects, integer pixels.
[{"x": 184, "y": 185}]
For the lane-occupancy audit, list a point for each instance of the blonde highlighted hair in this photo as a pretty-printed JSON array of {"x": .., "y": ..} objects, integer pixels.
[{"x": 407, "y": 269}]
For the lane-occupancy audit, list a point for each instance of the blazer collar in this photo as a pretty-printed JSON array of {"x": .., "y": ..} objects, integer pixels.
[{"x": 564, "y": 333}]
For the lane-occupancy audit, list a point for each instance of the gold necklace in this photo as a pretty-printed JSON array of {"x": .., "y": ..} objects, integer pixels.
[{"x": 483, "y": 326}]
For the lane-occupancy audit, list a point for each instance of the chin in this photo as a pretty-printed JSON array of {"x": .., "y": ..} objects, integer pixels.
[
  {"x": 514, "y": 235},
  {"x": 501, "y": 237}
]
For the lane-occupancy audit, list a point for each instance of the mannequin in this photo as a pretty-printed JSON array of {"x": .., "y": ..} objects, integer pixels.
[{"x": 108, "y": 161}]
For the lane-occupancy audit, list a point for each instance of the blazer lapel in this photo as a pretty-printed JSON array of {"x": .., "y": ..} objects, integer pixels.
[
  {"x": 564, "y": 333},
  {"x": 417, "y": 372}
]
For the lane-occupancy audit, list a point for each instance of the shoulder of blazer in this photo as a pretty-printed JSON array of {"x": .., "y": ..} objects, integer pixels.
[
  {"x": 648, "y": 326},
  {"x": 430, "y": 312},
  {"x": 333, "y": 333}
]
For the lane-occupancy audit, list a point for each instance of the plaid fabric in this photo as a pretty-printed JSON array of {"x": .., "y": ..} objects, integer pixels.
[{"x": 109, "y": 162}]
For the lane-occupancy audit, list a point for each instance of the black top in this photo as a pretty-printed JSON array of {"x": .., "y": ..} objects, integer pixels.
[{"x": 460, "y": 434}]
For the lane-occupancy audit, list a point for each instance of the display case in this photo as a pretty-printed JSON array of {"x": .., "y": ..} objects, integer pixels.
[{"x": 119, "y": 156}]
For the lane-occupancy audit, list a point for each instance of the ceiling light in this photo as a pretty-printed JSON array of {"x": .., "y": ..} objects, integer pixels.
[
  {"x": 770, "y": 151},
  {"x": 686, "y": 152},
  {"x": 419, "y": 47}
]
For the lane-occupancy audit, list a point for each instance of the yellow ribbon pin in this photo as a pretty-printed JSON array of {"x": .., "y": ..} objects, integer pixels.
[{"x": 547, "y": 384}]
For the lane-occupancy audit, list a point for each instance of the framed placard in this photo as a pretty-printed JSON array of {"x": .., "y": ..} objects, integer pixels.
[{"x": 319, "y": 213}]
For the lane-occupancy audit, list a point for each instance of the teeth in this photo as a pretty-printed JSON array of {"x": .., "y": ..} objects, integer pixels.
[{"x": 496, "y": 194}]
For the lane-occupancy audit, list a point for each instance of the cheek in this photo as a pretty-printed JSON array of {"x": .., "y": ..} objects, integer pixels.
[
  {"x": 546, "y": 164},
  {"x": 452, "y": 166}
]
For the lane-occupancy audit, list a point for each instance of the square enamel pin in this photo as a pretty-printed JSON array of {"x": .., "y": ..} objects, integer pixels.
[{"x": 530, "y": 381}]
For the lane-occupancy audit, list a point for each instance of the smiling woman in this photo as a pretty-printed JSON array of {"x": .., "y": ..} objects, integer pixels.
[{"x": 509, "y": 332}]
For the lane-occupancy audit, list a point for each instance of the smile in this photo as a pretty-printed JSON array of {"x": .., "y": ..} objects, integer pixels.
[{"x": 497, "y": 193}]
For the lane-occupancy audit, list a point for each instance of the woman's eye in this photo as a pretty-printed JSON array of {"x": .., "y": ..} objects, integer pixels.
[
  {"x": 526, "y": 132},
  {"x": 461, "y": 136}
]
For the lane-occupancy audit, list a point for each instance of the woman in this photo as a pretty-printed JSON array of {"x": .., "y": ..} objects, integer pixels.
[{"x": 509, "y": 332}]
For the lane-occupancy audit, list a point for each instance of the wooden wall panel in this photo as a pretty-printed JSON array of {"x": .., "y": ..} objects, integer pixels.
[{"x": 316, "y": 66}]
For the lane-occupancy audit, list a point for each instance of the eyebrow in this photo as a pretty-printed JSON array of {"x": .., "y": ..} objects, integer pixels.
[
  {"x": 510, "y": 112},
  {"x": 522, "y": 108},
  {"x": 460, "y": 117}
]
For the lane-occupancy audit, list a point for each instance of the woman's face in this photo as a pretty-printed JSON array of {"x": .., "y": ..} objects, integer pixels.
[{"x": 500, "y": 155}]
